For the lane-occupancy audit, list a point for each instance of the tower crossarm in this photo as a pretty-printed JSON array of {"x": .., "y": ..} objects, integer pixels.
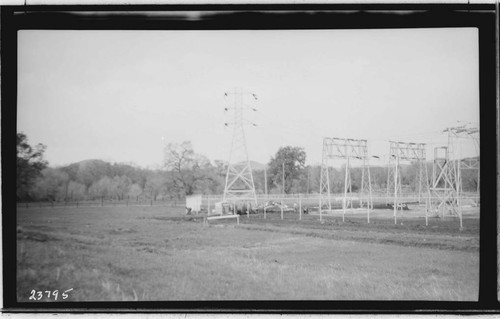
[
  {"x": 407, "y": 151},
  {"x": 462, "y": 131},
  {"x": 469, "y": 163},
  {"x": 344, "y": 148}
]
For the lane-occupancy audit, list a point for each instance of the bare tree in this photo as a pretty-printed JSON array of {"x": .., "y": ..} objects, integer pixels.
[
  {"x": 134, "y": 191},
  {"x": 121, "y": 185},
  {"x": 30, "y": 164},
  {"x": 52, "y": 185},
  {"x": 156, "y": 183},
  {"x": 188, "y": 168},
  {"x": 102, "y": 188},
  {"x": 76, "y": 191}
]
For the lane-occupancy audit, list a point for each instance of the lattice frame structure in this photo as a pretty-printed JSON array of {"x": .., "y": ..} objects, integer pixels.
[
  {"x": 447, "y": 172},
  {"x": 239, "y": 184},
  {"x": 455, "y": 133},
  {"x": 348, "y": 150},
  {"x": 412, "y": 152},
  {"x": 445, "y": 184}
]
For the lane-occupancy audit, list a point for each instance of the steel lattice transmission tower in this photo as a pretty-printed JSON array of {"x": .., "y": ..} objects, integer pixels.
[
  {"x": 413, "y": 152},
  {"x": 239, "y": 179},
  {"x": 347, "y": 150}
]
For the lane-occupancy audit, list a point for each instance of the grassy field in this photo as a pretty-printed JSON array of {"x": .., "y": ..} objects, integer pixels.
[{"x": 157, "y": 253}]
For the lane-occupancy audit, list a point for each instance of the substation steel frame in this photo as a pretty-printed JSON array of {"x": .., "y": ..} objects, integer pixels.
[
  {"x": 445, "y": 184},
  {"x": 455, "y": 133},
  {"x": 241, "y": 170},
  {"x": 447, "y": 172},
  {"x": 346, "y": 149},
  {"x": 412, "y": 152}
]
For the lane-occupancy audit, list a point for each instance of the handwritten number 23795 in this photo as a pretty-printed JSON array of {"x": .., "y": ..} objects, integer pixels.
[{"x": 37, "y": 295}]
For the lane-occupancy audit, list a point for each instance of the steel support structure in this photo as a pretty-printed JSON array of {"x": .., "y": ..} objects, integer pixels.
[
  {"x": 464, "y": 132},
  {"x": 412, "y": 152},
  {"x": 346, "y": 150},
  {"x": 445, "y": 184},
  {"x": 239, "y": 185},
  {"x": 447, "y": 171}
]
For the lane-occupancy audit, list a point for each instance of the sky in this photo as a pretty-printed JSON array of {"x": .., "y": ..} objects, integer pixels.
[{"x": 121, "y": 96}]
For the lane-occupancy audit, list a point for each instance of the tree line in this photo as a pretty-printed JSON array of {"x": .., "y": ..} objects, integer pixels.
[{"x": 183, "y": 172}]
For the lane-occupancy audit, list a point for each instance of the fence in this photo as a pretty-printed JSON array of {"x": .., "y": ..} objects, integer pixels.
[
  {"x": 312, "y": 200},
  {"x": 306, "y": 200},
  {"x": 104, "y": 203}
]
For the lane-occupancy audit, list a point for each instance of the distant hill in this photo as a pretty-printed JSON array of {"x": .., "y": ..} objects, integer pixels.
[{"x": 90, "y": 162}]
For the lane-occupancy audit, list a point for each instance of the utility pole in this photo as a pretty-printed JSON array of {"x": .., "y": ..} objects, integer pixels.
[
  {"x": 283, "y": 168},
  {"x": 239, "y": 179},
  {"x": 307, "y": 188},
  {"x": 283, "y": 196},
  {"x": 265, "y": 180}
]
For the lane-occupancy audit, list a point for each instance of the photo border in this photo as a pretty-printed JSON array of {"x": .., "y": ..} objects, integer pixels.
[{"x": 257, "y": 17}]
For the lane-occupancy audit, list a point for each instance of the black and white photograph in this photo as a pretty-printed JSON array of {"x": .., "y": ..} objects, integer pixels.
[{"x": 248, "y": 164}]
